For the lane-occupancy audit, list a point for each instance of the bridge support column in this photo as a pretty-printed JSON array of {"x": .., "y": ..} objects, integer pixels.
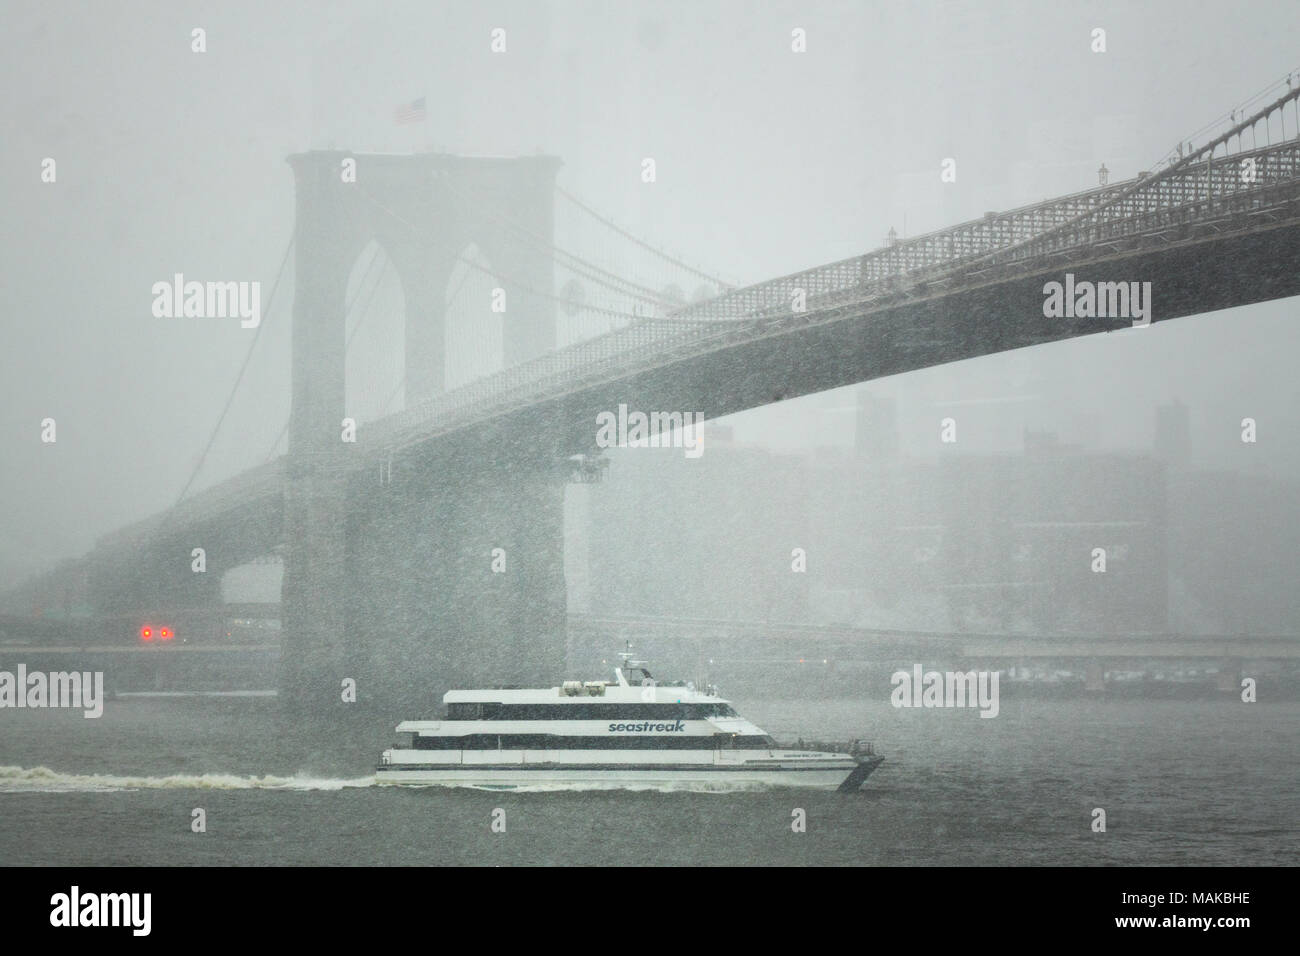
[
  {"x": 313, "y": 601},
  {"x": 1094, "y": 679},
  {"x": 314, "y": 595}
]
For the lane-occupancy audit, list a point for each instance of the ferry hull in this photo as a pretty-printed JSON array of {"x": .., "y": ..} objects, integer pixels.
[{"x": 841, "y": 775}]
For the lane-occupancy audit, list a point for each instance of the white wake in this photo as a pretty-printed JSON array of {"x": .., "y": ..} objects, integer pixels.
[{"x": 43, "y": 779}]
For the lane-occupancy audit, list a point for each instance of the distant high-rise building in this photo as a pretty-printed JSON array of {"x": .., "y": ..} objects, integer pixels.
[
  {"x": 1173, "y": 442},
  {"x": 877, "y": 427}
]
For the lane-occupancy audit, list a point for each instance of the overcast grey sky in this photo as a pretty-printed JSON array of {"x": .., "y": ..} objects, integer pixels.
[{"x": 768, "y": 162}]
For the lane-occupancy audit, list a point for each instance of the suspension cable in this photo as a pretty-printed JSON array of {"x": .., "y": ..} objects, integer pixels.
[
  {"x": 284, "y": 263},
  {"x": 640, "y": 242},
  {"x": 650, "y": 296}
]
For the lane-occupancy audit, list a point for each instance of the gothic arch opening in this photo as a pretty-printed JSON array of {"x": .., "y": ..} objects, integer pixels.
[
  {"x": 476, "y": 304},
  {"x": 376, "y": 336}
]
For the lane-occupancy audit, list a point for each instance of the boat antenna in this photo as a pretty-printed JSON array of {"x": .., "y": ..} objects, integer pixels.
[{"x": 628, "y": 661}]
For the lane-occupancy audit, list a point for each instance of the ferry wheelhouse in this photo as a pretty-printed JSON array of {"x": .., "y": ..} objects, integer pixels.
[{"x": 627, "y": 732}]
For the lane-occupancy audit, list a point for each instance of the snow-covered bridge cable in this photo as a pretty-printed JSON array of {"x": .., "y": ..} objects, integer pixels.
[
  {"x": 640, "y": 242},
  {"x": 234, "y": 389},
  {"x": 588, "y": 270}
]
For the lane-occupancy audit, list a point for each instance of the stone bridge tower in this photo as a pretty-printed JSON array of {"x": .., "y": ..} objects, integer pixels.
[{"x": 378, "y": 578}]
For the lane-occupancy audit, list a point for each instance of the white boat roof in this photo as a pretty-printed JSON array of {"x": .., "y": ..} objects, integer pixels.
[
  {"x": 614, "y": 694},
  {"x": 632, "y": 684}
]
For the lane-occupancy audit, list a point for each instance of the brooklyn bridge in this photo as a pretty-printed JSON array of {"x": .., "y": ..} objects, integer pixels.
[{"x": 428, "y": 542}]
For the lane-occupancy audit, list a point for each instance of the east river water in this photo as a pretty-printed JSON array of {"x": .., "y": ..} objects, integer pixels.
[{"x": 1181, "y": 782}]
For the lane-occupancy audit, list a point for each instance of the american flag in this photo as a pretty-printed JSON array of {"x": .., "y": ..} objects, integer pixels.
[{"x": 412, "y": 112}]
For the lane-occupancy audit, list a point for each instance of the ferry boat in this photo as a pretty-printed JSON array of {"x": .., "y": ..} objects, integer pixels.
[{"x": 624, "y": 733}]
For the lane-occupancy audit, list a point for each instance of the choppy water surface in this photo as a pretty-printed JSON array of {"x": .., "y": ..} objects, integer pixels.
[{"x": 1182, "y": 782}]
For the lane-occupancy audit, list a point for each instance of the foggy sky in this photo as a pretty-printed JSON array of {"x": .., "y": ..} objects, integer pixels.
[{"x": 768, "y": 162}]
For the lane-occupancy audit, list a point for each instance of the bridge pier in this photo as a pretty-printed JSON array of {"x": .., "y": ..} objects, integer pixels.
[{"x": 314, "y": 595}]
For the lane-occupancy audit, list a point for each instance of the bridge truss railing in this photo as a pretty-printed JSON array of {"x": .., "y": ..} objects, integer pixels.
[
  {"x": 1207, "y": 193},
  {"x": 1185, "y": 182},
  {"x": 1204, "y": 190},
  {"x": 1213, "y": 172}
]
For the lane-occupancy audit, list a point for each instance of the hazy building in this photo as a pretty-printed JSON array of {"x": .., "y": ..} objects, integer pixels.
[
  {"x": 669, "y": 536},
  {"x": 991, "y": 543}
]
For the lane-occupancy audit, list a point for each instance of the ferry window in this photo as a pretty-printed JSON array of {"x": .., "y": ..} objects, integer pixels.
[
  {"x": 491, "y": 710},
  {"x": 476, "y": 710}
]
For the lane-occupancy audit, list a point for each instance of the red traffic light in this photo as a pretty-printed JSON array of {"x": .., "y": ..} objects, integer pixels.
[
  {"x": 146, "y": 633},
  {"x": 166, "y": 634}
]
